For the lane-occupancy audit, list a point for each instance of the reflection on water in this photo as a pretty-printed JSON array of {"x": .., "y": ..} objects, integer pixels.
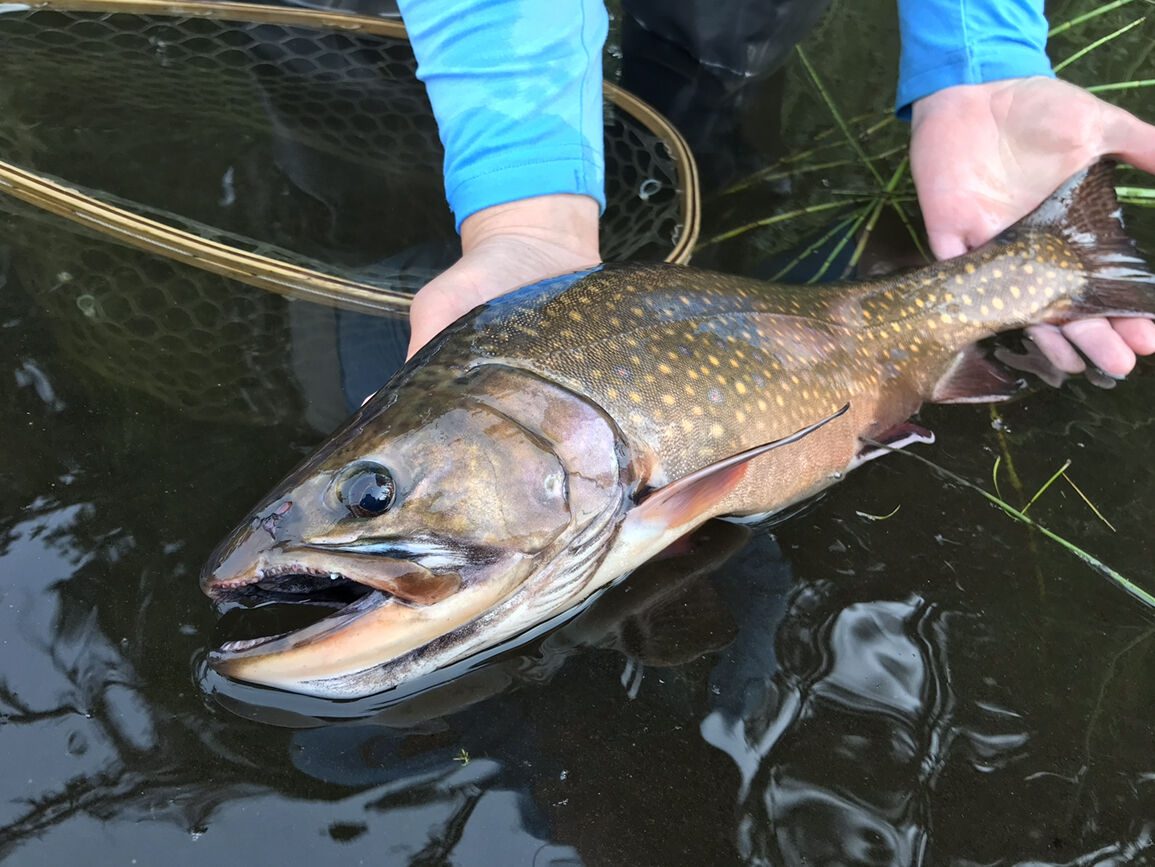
[
  {"x": 856, "y": 692},
  {"x": 937, "y": 687}
]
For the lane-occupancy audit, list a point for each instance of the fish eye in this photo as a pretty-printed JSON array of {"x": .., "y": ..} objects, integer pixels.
[{"x": 369, "y": 491}]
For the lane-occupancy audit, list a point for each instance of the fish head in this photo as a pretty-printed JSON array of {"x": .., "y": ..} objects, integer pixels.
[{"x": 433, "y": 521}]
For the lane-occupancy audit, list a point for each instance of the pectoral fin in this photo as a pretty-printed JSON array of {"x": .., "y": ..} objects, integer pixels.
[{"x": 682, "y": 501}]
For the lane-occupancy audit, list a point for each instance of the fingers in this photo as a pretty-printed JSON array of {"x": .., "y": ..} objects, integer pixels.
[
  {"x": 1139, "y": 334},
  {"x": 1097, "y": 340},
  {"x": 1056, "y": 347},
  {"x": 1111, "y": 345}
]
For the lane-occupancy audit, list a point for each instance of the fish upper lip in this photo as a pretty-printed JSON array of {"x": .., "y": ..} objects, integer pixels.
[{"x": 222, "y": 591}]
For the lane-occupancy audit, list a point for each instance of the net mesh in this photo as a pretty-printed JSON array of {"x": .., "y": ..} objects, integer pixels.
[
  {"x": 309, "y": 145},
  {"x": 312, "y": 145}
]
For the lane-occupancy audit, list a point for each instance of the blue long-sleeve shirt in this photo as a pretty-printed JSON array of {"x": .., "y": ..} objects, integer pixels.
[
  {"x": 516, "y": 84},
  {"x": 949, "y": 42}
]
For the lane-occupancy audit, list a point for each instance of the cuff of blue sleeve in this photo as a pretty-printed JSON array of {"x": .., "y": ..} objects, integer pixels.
[
  {"x": 989, "y": 62},
  {"x": 577, "y": 175}
]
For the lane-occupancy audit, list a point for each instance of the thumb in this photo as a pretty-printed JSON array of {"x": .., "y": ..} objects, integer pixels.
[
  {"x": 1129, "y": 138},
  {"x": 946, "y": 245}
]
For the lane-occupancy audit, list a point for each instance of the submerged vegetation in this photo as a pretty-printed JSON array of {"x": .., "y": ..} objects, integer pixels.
[
  {"x": 852, "y": 167},
  {"x": 844, "y": 173}
]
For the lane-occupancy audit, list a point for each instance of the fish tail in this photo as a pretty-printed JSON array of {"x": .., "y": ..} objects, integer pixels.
[{"x": 1086, "y": 214}]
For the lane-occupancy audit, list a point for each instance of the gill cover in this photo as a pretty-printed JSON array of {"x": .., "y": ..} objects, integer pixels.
[{"x": 445, "y": 507}]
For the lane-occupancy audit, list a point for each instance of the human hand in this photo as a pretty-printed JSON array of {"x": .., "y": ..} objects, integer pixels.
[
  {"x": 983, "y": 156},
  {"x": 505, "y": 247}
]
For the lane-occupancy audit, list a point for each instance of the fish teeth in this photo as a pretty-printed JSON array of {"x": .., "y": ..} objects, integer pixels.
[{"x": 333, "y": 576}]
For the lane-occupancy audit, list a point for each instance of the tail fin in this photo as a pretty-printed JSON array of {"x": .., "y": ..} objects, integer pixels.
[{"x": 1087, "y": 214}]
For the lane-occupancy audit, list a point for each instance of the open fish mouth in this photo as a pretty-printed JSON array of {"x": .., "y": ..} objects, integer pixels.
[
  {"x": 282, "y": 601},
  {"x": 325, "y": 629}
]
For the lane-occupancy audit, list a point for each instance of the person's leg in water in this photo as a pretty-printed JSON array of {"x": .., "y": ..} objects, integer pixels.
[{"x": 708, "y": 66}]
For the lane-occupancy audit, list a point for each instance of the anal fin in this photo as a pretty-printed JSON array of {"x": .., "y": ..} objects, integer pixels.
[
  {"x": 898, "y": 437},
  {"x": 975, "y": 378}
]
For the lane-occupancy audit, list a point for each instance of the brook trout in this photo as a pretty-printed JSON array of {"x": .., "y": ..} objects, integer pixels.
[{"x": 551, "y": 441}]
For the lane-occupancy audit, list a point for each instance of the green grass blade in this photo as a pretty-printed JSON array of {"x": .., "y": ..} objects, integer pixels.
[
  {"x": 837, "y": 115},
  {"x": 781, "y": 218},
  {"x": 1048, "y": 484},
  {"x": 1090, "y": 505},
  {"x": 1087, "y": 49},
  {"x": 1131, "y": 588},
  {"x": 840, "y": 226},
  {"x": 774, "y": 173},
  {"x": 831, "y": 257},
  {"x": 1122, "y": 85},
  {"x": 869, "y": 517},
  {"x": 1087, "y": 16}
]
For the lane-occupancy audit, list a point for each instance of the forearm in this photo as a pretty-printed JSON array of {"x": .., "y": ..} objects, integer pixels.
[
  {"x": 950, "y": 42},
  {"x": 516, "y": 88}
]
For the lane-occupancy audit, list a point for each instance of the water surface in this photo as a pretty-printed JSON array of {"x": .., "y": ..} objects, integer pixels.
[{"x": 941, "y": 687}]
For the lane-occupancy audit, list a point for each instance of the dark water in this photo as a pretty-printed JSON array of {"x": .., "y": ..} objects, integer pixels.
[{"x": 940, "y": 687}]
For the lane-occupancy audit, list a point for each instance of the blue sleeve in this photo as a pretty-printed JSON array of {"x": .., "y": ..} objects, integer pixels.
[
  {"x": 949, "y": 42},
  {"x": 516, "y": 87}
]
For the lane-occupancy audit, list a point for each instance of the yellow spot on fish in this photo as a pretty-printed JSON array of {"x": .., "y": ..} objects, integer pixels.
[
  {"x": 997, "y": 303},
  {"x": 612, "y": 393},
  {"x": 693, "y": 374},
  {"x": 1016, "y": 292},
  {"x": 945, "y": 317},
  {"x": 985, "y": 310},
  {"x": 740, "y": 387},
  {"x": 638, "y": 311},
  {"x": 1030, "y": 269},
  {"x": 970, "y": 268},
  {"x": 998, "y": 273},
  {"x": 696, "y": 410},
  {"x": 668, "y": 399},
  {"x": 778, "y": 399},
  {"x": 713, "y": 359},
  {"x": 687, "y": 425},
  {"x": 575, "y": 316},
  {"x": 689, "y": 389},
  {"x": 665, "y": 369}
]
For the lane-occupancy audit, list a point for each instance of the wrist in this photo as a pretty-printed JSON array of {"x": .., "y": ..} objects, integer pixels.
[
  {"x": 960, "y": 101},
  {"x": 566, "y": 222}
]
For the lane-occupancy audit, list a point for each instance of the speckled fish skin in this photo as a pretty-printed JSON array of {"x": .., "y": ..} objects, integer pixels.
[
  {"x": 632, "y": 381},
  {"x": 696, "y": 366}
]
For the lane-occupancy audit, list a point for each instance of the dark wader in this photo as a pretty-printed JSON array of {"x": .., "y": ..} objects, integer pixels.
[{"x": 708, "y": 66}]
